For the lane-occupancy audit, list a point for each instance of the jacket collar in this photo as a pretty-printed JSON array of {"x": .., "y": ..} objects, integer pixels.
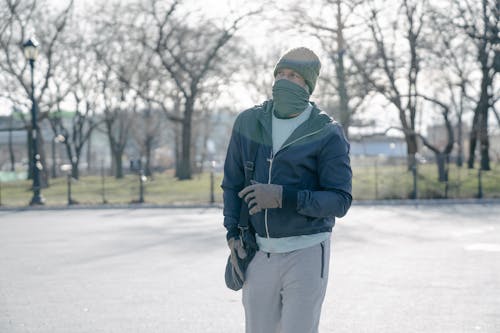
[{"x": 316, "y": 121}]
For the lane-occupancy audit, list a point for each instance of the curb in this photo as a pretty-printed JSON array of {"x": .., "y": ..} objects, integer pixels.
[
  {"x": 110, "y": 206},
  {"x": 418, "y": 202},
  {"x": 426, "y": 202}
]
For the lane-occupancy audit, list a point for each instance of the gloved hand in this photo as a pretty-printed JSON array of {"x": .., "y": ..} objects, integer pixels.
[
  {"x": 262, "y": 196},
  {"x": 237, "y": 251}
]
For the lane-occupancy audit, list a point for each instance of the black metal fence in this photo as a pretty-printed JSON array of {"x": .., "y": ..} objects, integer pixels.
[
  {"x": 381, "y": 177},
  {"x": 374, "y": 178}
]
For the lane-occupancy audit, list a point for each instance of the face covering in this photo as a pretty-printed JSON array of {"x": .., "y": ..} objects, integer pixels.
[{"x": 289, "y": 99}]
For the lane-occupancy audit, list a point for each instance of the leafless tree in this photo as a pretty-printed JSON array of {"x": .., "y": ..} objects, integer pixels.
[
  {"x": 257, "y": 78},
  {"x": 79, "y": 78},
  {"x": 335, "y": 24},
  {"x": 392, "y": 73},
  {"x": 148, "y": 125},
  {"x": 479, "y": 20},
  {"x": 452, "y": 58},
  {"x": 117, "y": 62},
  {"x": 118, "y": 115},
  {"x": 190, "y": 55},
  {"x": 17, "y": 23},
  {"x": 204, "y": 124},
  {"x": 74, "y": 135},
  {"x": 442, "y": 154}
]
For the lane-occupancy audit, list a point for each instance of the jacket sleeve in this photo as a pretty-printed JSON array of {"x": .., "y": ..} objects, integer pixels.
[
  {"x": 233, "y": 182},
  {"x": 335, "y": 180}
]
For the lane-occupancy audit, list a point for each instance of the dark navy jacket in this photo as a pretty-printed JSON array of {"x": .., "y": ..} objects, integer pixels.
[{"x": 313, "y": 167}]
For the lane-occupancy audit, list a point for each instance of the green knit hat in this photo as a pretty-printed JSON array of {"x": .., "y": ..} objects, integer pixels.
[{"x": 303, "y": 61}]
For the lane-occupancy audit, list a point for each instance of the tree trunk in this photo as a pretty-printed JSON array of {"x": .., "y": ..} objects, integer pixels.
[
  {"x": 147, "y": 167},
  {"x": 53, "y": 166},
  {"x": 116, "y": 154},
  {"x": 185, "y": 167},
  {"x": 112, "y": 167},
  {"x": 441, "y": 160},
  {"x": 473, "y": 140},
  {"x": 177, "y": 150},
  {"x": 479, "y": 132},
  {"x": 345, "y": 112},
  {"x": 483, "y": 136},
  {"x": 118, "y": 164},
  {"x": 89, "y": 153},
  {"x": 75, "y": 162},
  {"x": 480, "y": 122},
  {"x": 74, "y": 169},
  {"x": 460, "y": 134},
  {"x": 69, "y": 153},
  {"x": 460, "y": 152},
  {"x": 411, "y": 148},
  {"x": 413, "y": 168},
  {"x": 11, "y": 152}
]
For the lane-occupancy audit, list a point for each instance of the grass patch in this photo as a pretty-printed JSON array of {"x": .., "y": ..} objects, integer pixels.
[
  {"x": 387, "y": 180},
  {"x": 161, "y": 189},
  {"x": 394, "y": 181}
]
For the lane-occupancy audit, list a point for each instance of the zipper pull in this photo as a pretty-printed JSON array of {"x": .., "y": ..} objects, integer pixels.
[{"x": 270, "y": 158}]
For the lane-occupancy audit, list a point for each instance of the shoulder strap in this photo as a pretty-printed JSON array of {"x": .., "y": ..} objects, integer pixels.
[{"x": 249, "y": 171}]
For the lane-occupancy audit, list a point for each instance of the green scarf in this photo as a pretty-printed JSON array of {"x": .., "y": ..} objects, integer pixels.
[{"x": 290, "y": 99}]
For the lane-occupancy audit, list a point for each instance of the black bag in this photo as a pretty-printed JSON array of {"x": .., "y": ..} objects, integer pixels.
[
  {"x": 233, "y": 280},
  {"x": 247, "y": 237}
]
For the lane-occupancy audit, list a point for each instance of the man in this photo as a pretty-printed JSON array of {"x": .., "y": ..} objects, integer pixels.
[{"x": 302, "y": 181}]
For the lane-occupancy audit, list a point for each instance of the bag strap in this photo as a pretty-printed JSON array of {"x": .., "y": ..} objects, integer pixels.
[{"x": 249, "y": 172}]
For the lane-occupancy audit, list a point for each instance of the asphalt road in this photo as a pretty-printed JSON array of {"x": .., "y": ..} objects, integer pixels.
[{"x": 394, "y": 269}]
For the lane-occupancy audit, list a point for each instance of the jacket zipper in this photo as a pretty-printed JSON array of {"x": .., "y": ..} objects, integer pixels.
[
  {"x": 298, "y": 139},
  {"x": 270, "y": 160}
]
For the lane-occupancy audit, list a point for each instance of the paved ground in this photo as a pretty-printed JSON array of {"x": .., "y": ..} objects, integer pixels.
[{"x": 394, "y": 269}]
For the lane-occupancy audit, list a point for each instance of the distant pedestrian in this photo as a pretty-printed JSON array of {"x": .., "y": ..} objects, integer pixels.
[{"x": 302, "y": 181}]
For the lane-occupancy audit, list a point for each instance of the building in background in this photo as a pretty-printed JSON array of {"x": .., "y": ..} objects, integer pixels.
[{"x": 378, "y": 145}]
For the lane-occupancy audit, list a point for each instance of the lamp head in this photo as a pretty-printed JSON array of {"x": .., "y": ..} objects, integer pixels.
[{"x": 30, "y": 48}]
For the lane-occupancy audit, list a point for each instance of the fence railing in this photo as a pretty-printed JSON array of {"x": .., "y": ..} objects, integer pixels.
[
  {"x": 380, "y": 177},
  {"x": 374, "y": 178},
  {"x": 133, "y": 188}
]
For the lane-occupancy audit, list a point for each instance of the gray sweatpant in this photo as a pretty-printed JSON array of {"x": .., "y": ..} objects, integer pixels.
[{"x": 283, "y": 292}]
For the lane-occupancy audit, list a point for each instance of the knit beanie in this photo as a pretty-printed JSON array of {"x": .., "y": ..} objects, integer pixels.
[{"x": 304, "y": 61}]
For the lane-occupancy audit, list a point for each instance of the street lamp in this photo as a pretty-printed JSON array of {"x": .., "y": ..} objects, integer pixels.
[{"x": 30, "y": 48}]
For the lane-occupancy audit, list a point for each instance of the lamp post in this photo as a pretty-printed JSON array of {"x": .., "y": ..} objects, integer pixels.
[{"x": 30, "y": 48}]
